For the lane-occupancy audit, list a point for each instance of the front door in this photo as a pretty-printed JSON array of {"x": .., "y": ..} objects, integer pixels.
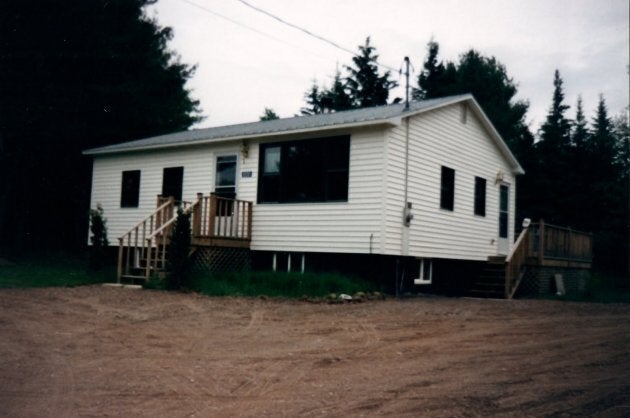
[
  {"x": 225, "y": 177},
  {"x": 504, "y": 219}
]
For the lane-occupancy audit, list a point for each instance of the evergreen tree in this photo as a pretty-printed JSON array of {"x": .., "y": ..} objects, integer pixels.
[
  {"x": 362, "y": 87},
  {"x": 313, "y": 99},
  {"x": 336, "y": 98},
  {"x": 87, "y": 74},
  {"x": 365, "y": 85},
  {"x": 269, "y": 114},
  {"x": 579, "y": 134},
  {"x": 437, "y": 79},
  {"x": 553, "y": 161},
  {"x": 555, "y": 132}
]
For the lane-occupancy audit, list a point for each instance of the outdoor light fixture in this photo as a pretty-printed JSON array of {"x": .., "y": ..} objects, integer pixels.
[{"x": 245, "y": 149}]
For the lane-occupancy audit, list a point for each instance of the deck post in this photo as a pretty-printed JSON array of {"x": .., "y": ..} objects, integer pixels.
[
  {"x": 120, "y": 259},
  {"x": 249, "y": 220},
  {"x": 196, "y": 226},
  {"x": 212, "y": 214}
]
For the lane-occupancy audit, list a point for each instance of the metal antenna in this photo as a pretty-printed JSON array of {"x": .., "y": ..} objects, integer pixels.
[{"x": 407, "y": 83}]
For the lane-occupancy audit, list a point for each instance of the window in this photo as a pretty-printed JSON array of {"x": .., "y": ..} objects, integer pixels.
[
  {"x": 480, "y": 196},
  {"x": 130, "y": 189},
  {"x": 447, "y": 191},
  {"x": 313, "y": 170},
  {"x": 426, "y": 272},
  {"x": 503, "y": 211},
  {"x": 225, "y": 178},
  {"x": 172, "y": 181}
]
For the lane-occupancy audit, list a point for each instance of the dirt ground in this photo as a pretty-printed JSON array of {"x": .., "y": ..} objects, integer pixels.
[{"x": 98, "y": 351}]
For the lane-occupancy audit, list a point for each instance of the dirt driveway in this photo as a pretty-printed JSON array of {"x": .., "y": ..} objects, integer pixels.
[{"x": 97, "y": 351}]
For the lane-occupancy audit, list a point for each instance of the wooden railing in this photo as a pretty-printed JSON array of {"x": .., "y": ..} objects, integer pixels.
[
  {"x": 552, "y": 242},
  {"x": 132, "y": 246},
  {"x": 215, "y": 221},
  {"x": 218, "y": 217},
  {"x": 543, "y": 244},
  {"x": 516, "y": 263}
]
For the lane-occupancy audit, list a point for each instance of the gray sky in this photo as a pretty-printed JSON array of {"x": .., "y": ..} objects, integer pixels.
[{"x": 258, "y": 62}]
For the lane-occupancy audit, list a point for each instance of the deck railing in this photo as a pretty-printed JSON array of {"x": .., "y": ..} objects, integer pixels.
[
  {"x": 543, "y": 244},
  {"x": 219, "y": 217},
  {"x": 516, "y": 262},
  {"x": 214, "y": 221},
  {"x": 552, "y": 242}
]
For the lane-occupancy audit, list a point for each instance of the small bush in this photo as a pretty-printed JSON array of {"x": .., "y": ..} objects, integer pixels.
[
  {"x": 98, "y": 228},
  {"x": 178, "y": 263}
]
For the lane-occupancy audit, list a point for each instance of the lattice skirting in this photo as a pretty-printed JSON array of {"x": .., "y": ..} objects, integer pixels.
[
  {"x": 218, "y": 260},
  {"x": 540, "y": 280}
]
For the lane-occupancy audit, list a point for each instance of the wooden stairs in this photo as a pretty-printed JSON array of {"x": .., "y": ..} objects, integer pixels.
[
  {"x": 215, "y": 222},
  {"x": 491, "y": 281}
]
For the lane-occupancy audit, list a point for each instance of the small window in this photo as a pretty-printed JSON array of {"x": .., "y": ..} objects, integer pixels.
[
  {"x": 172, "y": 181},
  {"x": 130, "y": 189},
  {"x": 480, "y": 196},
  {"x": 447, "y": 191},
  {"x": 426, "y": 272},
  {"x": 225, "y": 179}
]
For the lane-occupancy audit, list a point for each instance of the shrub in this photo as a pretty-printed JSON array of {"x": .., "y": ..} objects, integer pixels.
[
  {"x": 98, "y": 228},
  {"x": 178, "y": 260}
]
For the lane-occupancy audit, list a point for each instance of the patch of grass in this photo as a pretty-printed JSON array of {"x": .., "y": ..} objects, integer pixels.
[
  {"x": 51, "y": 271},
  {"x": 601, "y": 288},
  {"x": 278, "y": 284}
]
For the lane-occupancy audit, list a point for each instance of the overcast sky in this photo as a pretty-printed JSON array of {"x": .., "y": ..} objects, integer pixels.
[{"x": 247, "y": 61}]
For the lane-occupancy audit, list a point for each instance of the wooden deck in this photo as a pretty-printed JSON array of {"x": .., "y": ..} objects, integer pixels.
[
  {"x": 215, "y": 222},
  {"x": 546, "y": 245}
]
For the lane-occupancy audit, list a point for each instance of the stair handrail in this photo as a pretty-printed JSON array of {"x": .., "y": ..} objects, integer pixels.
[
  {"x": 514, "y": 263},
  {"x": 150, "y": 262},
  {"x": 161, "y": 207},
  {"x": 139, "y": 232}
]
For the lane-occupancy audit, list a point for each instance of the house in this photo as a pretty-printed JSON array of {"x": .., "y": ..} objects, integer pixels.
[{"x": 418, "y": 196}]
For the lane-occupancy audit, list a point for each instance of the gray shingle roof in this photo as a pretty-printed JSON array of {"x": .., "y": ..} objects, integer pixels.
[{"x": 366, "y": 116}]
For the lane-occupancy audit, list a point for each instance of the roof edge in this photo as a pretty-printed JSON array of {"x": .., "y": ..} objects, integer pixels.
[{"x": 376, "y": 122}]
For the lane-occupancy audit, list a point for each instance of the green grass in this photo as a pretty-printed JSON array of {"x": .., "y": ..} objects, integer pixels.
[
  {"x": 51, "y": 271},
  {"x": 278, "y": 284},
  {"x": 602, "y": 288}
]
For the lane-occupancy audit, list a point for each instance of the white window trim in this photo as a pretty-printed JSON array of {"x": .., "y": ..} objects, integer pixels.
[{"x": 422, "y": 279}]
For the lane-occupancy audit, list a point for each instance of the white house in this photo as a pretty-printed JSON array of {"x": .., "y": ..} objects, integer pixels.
[{"x": 433, "y": 183}]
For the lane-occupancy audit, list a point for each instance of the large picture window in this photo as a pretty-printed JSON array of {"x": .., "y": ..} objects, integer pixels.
[
  {"x": 447, "y": 189},
  {"x": 130, "y": 189},
  {"x": 313, "y": 170}
]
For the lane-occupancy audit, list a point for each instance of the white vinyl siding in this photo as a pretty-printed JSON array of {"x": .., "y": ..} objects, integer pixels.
[
  {"x": 198, "y": 163},
  {"x": 342, "y": 227},
  {"x": 440, "y": 138}
]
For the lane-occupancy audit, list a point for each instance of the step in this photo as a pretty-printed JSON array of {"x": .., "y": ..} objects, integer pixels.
[
  {"x": 133, "y": 278},
  {"x": 488, "y": 294},
  {"x": 497, "y": 259}
]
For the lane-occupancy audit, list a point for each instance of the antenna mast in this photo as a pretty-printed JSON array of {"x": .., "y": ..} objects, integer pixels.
[{"x": 407, "y": 83}]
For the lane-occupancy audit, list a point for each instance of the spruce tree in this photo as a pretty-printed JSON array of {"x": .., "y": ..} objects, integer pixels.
[
  {"x": 554, "y": 157},
  {"x": 269, "y": 114},
  {"x": 313, "y": 99},
  {"x": 366, "y": 86},
  {"x": 336, "y": 98},
  {"x": 72, "y": 77},
  {"x": 579, "y": 134}
]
